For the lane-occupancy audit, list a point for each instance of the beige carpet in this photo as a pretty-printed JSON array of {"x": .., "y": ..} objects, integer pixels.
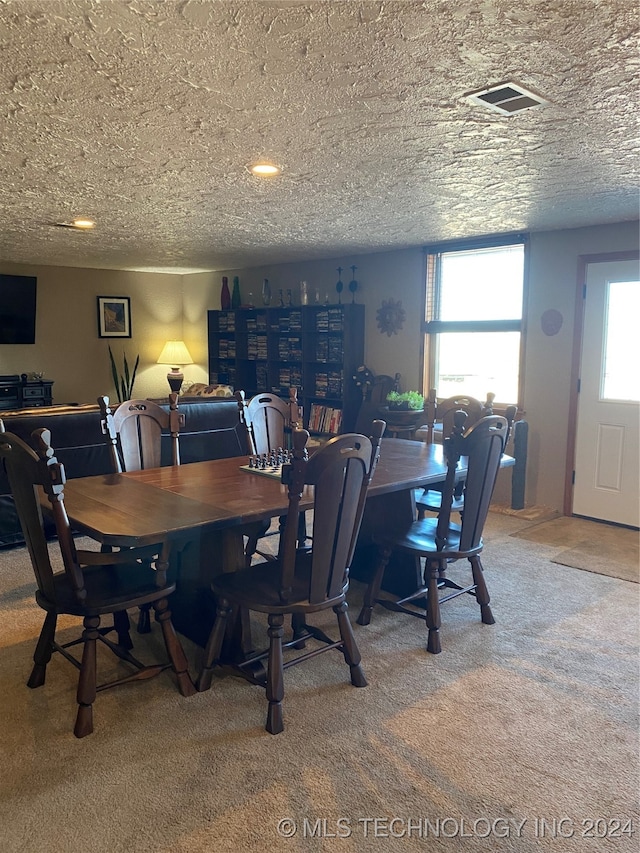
[
  {"x": 516, "y": 737},
  {"x": 589, "y": 545}
]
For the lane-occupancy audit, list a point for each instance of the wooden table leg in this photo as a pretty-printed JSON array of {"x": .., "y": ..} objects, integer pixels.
[
  {"x": 403, "y": 573},
  {"x": 193, "y": 605},
  {"x": 237, "y": 643}
]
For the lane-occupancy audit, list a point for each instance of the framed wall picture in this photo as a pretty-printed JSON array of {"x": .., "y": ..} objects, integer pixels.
[{"x": 114, "y": 317}]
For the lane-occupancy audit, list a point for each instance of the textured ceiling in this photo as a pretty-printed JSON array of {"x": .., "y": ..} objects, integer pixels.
[{"x": 144, "y": 115}]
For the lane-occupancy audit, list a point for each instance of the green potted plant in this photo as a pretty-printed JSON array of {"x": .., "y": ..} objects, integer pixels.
[
  {"x": 406, "y": 401},
  {"x": 123, "y": 382}
]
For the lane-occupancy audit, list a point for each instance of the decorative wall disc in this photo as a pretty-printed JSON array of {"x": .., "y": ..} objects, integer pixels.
[
  {"x": 390, "y": 316},
  {"x": 551, "y": 322}
]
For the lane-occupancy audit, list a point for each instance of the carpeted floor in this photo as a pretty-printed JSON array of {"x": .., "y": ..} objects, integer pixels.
[
  {"x": 520, "y": 736},
  {"x": 589, "y": 545}
]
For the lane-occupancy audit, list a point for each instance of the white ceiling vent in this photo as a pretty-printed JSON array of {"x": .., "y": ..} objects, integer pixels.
[{"x": 506, "y": 98}]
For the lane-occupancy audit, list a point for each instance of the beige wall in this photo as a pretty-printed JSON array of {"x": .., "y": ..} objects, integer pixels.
[
  {"x": 553, "y": 284},
  {"x": 68, "y": 348},
  {"x": 69, "y": 351}
]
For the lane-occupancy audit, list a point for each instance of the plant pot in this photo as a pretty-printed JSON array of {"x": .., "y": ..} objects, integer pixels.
[{"x": 402, "y": 415}]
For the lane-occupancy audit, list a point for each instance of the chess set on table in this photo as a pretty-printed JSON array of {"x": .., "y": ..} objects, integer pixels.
[{"x": 269, "y": 464}]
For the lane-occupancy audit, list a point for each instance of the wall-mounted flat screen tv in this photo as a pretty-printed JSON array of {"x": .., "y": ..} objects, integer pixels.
[{"x": 17, "y": 309}]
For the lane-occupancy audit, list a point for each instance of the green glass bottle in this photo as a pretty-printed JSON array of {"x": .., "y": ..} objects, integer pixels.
[{"x": 236, "y": 299}]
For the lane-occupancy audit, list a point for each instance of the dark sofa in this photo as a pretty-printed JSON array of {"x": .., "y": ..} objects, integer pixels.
[{"x": 212, "y": 430}]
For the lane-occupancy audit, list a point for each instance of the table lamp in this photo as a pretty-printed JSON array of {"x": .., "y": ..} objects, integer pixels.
[{"x": 175, "y": 352}]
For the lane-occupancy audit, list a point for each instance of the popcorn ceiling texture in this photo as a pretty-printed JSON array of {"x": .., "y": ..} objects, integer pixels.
[{"x": 145, "y": 115}]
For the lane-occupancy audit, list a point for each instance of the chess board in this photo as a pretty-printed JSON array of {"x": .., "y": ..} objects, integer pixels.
[{"x": 274, "y": 471}]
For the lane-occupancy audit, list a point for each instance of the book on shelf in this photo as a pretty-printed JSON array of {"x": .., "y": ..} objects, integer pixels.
[
  {"x": 289, "y": 377},
  {"x": 256, "y": 346},
  {"x": 325, "y": 419},
  {"x": 290, "y": 348},
  {"x": 322, "y": 349},
  {"x": 335, "y": 319},
  {"x": 227, "y": 349},
  {"x": 261, "y": 377},
  {"x": 223, "y": 377},
  {"x": 335, "y": 349},
  {"x": 226, "y": 321},
  {"x": 322, "y": 321}
]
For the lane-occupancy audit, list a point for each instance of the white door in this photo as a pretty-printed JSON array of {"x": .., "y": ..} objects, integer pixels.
[{"x": 607, "y": 465}]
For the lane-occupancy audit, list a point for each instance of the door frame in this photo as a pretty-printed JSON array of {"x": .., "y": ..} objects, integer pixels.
[{"x": 576, "y": 357}]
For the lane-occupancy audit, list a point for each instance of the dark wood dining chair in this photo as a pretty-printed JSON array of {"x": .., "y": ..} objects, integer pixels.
[
  {"x": 134, "y": 432},
  {"x": 428, "y": 500},
  {"x": 374, "y": 396},
  {"x": 301, "y": 582},
  {"x": 92, "y": 584},
  {"x": 442, "y": 542},
  {"x": 439, "y": 414},
  {"x": 267, "y": 418}
]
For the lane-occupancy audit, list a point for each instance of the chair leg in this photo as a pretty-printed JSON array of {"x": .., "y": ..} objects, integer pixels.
[
  {"x": 144, "y": 619},
  {"x": 302, "y": 529},
  {"x": 43, "y": 652},
  {"x": 299, "y": 630},
  {"x": 350, "y": 648},
  {"x": 122, "y": 626},
  {"x": 373, "y": 590},
  {"x": 250, "y": 549},
  {"x": 174, "y": 648},
  {"x": 432, "y": 616},
  {"x": 214, "y": 645},
  {"x": 87, "y": 681},
  {"x": 482, "y": 593},
  {"x": 275, "y": 675},
  {"x": 259, "y": 529}
]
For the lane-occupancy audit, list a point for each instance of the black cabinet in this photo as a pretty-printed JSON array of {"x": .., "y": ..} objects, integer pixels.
[
  {"x": 18, "y": 393},
  {"x": 315, "y": 348}
]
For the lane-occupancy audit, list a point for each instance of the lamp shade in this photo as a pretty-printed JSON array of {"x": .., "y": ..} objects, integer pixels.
[{"x": 175, "y": 352}]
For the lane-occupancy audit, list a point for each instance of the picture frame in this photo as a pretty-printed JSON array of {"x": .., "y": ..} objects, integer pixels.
[{"x": 114, "y": 317}]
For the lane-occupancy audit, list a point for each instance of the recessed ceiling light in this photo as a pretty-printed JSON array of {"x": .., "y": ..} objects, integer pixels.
[
  {"x": 265, "y": 170},
  {"x": 80, "y": 224},
  {"x": 83, "y": 223}
]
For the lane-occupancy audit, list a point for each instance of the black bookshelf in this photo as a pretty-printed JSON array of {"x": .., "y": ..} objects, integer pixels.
[{"x": 315, "y": 348}]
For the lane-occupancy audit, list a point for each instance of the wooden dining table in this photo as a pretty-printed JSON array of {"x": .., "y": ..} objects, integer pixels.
[{"x": 202, "y": 507}]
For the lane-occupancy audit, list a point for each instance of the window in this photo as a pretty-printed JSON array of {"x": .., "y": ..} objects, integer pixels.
[
  {"x": 473, "y": 328},
  {"x": 618, "y": 382}
]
